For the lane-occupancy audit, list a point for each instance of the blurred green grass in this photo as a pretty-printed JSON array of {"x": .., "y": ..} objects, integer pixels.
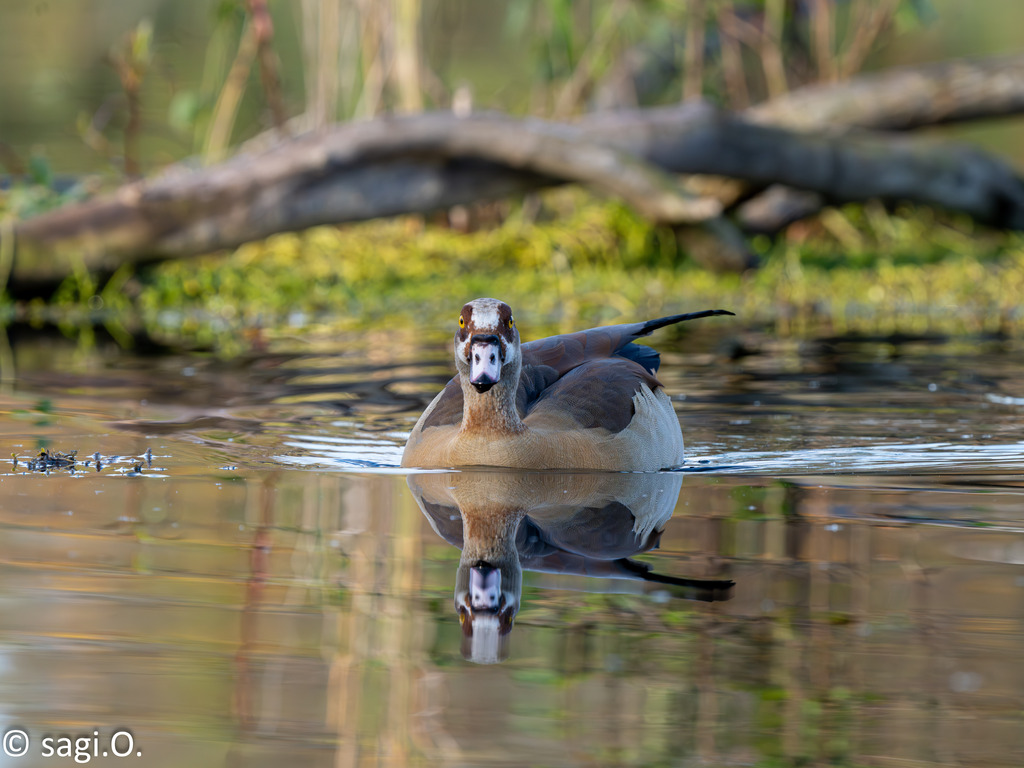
[
  {"x": 588, "y": 262},
  {"x": 564, "y": 260}
]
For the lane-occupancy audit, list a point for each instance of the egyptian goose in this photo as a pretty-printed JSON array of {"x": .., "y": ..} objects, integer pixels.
[{"x": 584, "y": 400}]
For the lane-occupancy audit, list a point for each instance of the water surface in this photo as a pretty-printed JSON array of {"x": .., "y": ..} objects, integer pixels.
[{"x": 266, "y": 587}]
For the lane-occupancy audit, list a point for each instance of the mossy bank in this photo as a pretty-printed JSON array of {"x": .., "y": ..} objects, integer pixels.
[{"x": 573, "y": 262}]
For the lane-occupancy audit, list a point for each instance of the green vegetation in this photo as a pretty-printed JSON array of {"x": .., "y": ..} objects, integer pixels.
[
  {"x": 572, "y": 261},
  {"x": 580, "y": 262},
  {"x": 861, "y": 270}
]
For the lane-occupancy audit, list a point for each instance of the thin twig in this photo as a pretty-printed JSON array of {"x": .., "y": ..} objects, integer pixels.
[
  {"x": 406, "y": 43},
  {"x": 270, "y": 77},
  {"x": 771, "y": 47},
  {"x": 373, "y": 54},
  {"x": 859, "y": 13},
  {"x": 583, "y": 75},
  {"x": 732, "y": 57},
  {"x": 130, "y": 60},
  {"x": 226, "y": 108},
  {"x": 821, "y": 22},
  {"x": 693, "y": 66},
  {"x": 132, "y": 167},
  {"x": 321, "y": 26},
  {"x": 865, "y": 35}
]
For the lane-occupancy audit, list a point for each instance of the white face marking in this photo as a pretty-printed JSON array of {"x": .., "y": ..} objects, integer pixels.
[
  {"x": 485, "y": 314},
  {"x": 485, "y": 645},
  {"x": 510, "y": 351}
]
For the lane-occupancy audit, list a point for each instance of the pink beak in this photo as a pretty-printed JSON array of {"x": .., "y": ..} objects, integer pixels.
[{"x": 484, "y": 364}]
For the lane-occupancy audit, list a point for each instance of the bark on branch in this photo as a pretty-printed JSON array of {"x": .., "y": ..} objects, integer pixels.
[
  {"x": 904, "y": 98},
  {"x": 898, "y": 99}
]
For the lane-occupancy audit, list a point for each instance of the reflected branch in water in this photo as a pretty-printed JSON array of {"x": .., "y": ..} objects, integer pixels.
[
  {"x": 7, "y": 372},
  {"x": 587, "y": 524}
]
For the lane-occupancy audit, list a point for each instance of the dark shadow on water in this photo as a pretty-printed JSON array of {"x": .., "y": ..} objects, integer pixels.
[{"x": 588, "y": 524}]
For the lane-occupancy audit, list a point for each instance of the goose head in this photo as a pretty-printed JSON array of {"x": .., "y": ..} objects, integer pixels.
[
  {"x": 488, "y": 582},
  {"x": 487, "y": 347}
]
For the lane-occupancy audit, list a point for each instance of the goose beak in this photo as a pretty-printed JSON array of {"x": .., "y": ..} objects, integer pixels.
[
  {"x": 484, "y": 587},
  {"x": 484, "y": 362}
]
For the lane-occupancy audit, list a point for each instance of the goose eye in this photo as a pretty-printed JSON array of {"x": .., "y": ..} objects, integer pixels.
[{"x": 462, "y": 322}]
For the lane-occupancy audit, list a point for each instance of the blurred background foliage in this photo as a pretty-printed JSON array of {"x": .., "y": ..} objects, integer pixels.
[
  {"x": 96, "y": 91},
  {"x": 71, "y": 69}
]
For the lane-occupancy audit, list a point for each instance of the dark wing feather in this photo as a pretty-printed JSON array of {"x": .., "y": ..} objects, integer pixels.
[
  {"x": 447, "y": 520},
  {"x": 565, "y": 352},
  {"x": 534, "y": 381},
  {"x": 602, "y": 533},
  {"x": 449, "y": 407},
  {"x": 598, "y": 393},
  {"x": 646, "y": 356}
]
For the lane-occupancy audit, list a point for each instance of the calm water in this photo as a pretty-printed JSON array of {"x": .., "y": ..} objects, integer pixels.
[{"x": 265, "y": 587}]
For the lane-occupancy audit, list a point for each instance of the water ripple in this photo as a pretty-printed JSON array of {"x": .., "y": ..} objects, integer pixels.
[{"x": 890, "y": 458}]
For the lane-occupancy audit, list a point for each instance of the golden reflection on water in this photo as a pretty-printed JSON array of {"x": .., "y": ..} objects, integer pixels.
[
  {"x": 300, "y": 618},
  {"x": 589, "y": 524}
]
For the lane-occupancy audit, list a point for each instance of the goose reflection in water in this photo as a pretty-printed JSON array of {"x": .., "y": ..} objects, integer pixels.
[{"x": 587, "y": 524}]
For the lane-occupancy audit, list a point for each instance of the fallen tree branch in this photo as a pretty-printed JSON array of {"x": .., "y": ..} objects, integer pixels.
[
  {"x": 354, "y": 172},
  {"x": 902, "y": 98},
  {"x": 428, "y": 162}
]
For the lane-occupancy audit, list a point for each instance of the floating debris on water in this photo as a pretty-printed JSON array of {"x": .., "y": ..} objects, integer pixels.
[{"x": 47, "y": 460}]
